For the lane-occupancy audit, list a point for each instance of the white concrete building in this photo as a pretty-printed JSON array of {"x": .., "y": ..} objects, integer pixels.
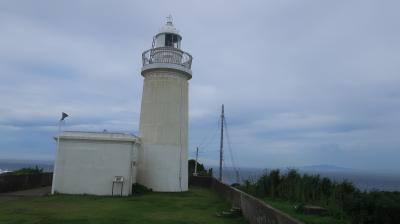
[
  {"x": 94, "y": 162},
  {"x": 88, "y": 162}
]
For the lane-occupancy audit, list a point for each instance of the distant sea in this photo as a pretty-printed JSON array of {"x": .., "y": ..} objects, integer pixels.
[
  {"x": 11, "y": 165},
  {"x": 365, "y": 181},
  {"x": 362, "y": 179}
]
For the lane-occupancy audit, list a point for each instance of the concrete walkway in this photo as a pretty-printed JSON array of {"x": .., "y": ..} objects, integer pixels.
[{"x": 42, "y": 191}]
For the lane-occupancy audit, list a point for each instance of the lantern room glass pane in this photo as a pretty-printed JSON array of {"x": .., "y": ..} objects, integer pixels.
[{"x": 171, "y": 40}]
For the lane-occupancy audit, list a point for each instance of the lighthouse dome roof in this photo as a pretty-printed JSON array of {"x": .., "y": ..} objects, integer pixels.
[{"x": 168, "y": 27}]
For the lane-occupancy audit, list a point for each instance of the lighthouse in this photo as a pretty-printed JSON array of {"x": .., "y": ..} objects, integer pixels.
[{"x": 163, "y": 155}]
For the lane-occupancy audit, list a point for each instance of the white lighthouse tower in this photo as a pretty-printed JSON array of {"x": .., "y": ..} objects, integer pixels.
[{"x": 163, "y": 156}]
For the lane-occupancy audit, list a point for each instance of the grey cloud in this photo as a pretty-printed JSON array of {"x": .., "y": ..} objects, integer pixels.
[{"x": 303, "y": 82}]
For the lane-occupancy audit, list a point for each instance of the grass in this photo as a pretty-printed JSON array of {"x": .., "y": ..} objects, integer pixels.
[
  {"x": 198, "y": 205},
  {"x": 288, "y": 208}
]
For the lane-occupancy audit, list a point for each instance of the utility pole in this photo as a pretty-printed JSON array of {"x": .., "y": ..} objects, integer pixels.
[
  {"x": 221, "y": 150},
  {"x": 237, "y": 176},
  {"x": 195, "y": 165}
]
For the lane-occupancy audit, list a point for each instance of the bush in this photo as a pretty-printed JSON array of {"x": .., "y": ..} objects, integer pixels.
[
  {"x": 342, "y": 199},
  {"x": 27, "y": 170},
  {"x": 140, "y": 189},
  {"x": 201, "y": 170}
]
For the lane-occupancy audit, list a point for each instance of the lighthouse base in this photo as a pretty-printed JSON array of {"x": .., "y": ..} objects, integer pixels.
[{"x": 163, "y": 168}]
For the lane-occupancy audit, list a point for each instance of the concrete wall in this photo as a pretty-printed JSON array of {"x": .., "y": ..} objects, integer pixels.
[
  {"x": 89, "y": 166},
  {"x": 16, "y": 182},
  {"x": 163, "y": 156},
  {"x": 253, "y": 209}
]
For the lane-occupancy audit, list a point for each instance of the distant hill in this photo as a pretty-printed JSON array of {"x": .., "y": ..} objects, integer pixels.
[{"x": 325, "y": 168}]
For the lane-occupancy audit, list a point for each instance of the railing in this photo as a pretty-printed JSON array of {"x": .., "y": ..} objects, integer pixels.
[{"x": 167, "y": 55}]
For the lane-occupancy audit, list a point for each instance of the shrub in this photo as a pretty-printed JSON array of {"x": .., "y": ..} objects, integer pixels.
[
  {"x": 140, "y": 189},
  {"x": 28, "y": 170},
  {"x": 342, "y": 199}
]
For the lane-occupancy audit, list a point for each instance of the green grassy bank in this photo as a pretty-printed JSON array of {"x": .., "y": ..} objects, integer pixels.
[{"x": 199, "y": 205}]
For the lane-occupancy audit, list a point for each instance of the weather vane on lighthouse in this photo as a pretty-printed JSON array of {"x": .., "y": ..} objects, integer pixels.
[{"x": 169, "y": 19}]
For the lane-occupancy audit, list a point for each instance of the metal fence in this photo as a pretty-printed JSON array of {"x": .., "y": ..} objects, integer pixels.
[
  {"x": 16, "y": 182},
  {"x": 167, "y": 55}
]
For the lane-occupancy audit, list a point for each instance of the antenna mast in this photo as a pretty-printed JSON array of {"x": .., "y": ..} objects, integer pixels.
[
  {"x": 195, "y": 165},
  {"x": 221, "y": 151}
]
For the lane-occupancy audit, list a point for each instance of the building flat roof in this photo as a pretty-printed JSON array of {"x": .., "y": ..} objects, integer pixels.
[{"x": 101, "y": 136}]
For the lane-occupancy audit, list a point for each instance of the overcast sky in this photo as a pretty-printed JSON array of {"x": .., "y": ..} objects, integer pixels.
[{"x": 303, "y": 82}]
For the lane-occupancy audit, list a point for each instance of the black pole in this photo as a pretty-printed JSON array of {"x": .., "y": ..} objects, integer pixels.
[{"x": 221, "y": 152}]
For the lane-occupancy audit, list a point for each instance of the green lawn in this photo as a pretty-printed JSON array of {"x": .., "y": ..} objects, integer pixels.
[
  {"x": 199, "y": 205},
  {"x": 288, "y": 208}
]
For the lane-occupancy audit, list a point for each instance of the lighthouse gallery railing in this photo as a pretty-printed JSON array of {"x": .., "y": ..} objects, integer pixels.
[{"x": 167, "y": 55}]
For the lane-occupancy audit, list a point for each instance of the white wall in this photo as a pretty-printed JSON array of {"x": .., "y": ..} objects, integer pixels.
[
  {"x": 89, "y": 166},
  {"x": 163, "y": 157}
]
